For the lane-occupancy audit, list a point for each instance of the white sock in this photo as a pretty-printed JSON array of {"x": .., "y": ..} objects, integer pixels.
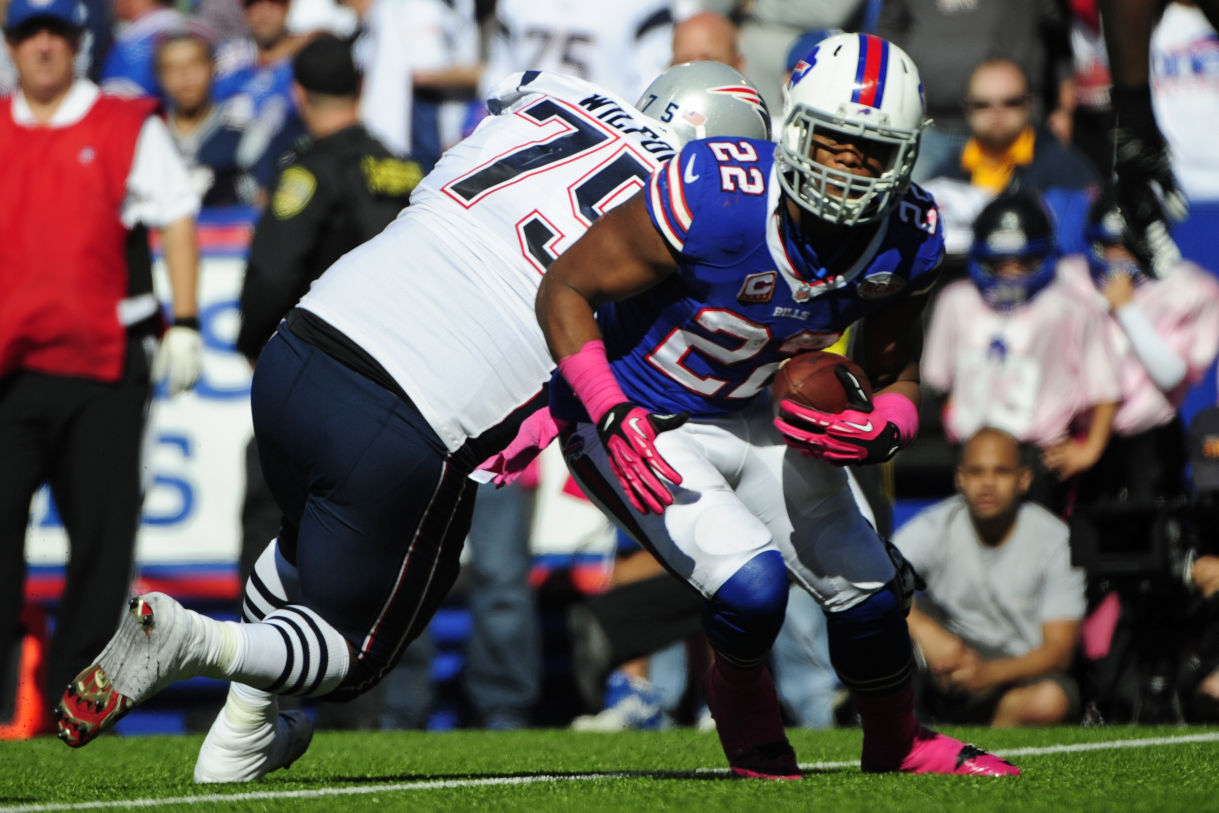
[
  {"x": 294, "y": 651},
  {"x": 217, "y": 643},
  {"x": 248, "y": 707}
]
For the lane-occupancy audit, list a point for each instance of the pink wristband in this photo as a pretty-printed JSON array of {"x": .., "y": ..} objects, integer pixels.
[
  {"x": 589, "y": 374},
  {"x": 900, "y": 411}
]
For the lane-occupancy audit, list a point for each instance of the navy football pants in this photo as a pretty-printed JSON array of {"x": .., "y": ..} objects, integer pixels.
[{"x": 374, "y": 512}]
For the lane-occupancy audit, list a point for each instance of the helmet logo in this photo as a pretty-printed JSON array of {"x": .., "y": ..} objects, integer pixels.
[
  {"x": 801, "y": 68},
  {"x": 1008, "y": 239},
  {"x": 744, "y": 93}
]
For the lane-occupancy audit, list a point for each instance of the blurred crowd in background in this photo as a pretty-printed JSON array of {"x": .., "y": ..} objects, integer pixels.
[{"x": 1106, "y": 381}]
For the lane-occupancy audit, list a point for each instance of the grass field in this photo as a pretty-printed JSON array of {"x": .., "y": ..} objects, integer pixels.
[{"x": 1114, "y": 768}]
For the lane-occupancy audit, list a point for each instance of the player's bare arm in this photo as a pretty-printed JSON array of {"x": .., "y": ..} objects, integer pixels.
[{"x": 620, "y": 256}]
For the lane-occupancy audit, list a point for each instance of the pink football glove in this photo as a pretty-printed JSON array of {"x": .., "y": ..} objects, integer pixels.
[
  {"x": 870, "y": 432},
  {"x": 629, "y": 433},
  {"x": 536, "y": 433}
]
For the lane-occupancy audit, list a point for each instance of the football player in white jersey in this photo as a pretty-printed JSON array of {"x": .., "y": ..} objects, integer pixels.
[
  {"x": 668, "y": 319},
  {"x": 618, "y": 46},
  {"x": 411, "y": 360}
]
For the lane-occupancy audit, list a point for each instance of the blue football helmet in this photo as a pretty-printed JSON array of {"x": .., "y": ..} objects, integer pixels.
[{"x": 1012, "y": 227}]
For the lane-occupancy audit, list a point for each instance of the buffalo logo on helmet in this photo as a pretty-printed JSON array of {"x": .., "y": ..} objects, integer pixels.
[{"x": 802, "y": 67}]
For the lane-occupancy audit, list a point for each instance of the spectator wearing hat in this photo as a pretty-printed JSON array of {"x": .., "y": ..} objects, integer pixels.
[
  {"x": 205, "y": 137},
  {"x": 83, "y": 174}
]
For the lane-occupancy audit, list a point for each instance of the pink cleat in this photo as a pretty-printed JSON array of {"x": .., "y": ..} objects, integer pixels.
[
  {"x": 933, "y": 752},
  {"x": 750, "y": 726}
]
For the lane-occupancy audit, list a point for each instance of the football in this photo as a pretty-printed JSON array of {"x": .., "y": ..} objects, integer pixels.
[{"x": 809, "y": 379}]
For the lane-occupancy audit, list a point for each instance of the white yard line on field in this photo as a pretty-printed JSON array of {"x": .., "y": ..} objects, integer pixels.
[{"x": 498, "y": 781}]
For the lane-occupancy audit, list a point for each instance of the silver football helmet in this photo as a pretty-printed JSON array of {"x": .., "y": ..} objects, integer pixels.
[
  {"x": 859, "y": 86},
  {"x": 704, "y": 99}
]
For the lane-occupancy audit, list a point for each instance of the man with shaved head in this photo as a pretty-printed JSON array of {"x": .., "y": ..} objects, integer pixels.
[
  {"x": 707, "y": 36},
  {"x": 997, "y": 624}
]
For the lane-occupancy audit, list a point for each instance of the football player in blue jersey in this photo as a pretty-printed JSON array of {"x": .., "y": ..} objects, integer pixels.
[{"x": 668, "y": 319}]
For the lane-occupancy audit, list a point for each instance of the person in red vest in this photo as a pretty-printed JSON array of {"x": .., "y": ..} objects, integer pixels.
[{"x": 82, "y": 174}]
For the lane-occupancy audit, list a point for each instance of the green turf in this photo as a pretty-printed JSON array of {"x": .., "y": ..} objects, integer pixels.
[{"x": 665, "y": 771}]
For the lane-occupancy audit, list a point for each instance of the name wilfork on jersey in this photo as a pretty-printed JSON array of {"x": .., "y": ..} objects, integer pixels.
[{"x": 612, "y": 114}]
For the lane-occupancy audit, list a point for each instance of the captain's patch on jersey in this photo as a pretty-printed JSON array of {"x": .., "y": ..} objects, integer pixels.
[{"x": 295, "y": 190}]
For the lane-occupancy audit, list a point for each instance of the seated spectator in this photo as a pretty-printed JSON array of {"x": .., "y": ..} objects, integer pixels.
[
  {"x": 1007, "y": 149},
  {"x": 998, "y": 622},
  {"x": 1164, "y": 334},
  {"x": 129, "y": 69},
  {"x": 254, "y": 83},
  {"x": 1015, "y": 348},
  {"x": 206, "y": 140}
]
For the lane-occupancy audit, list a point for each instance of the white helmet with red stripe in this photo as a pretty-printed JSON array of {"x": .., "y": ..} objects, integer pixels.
[
  {"x": 858, "y": 86},
  {"x": 705, "y": 99}
]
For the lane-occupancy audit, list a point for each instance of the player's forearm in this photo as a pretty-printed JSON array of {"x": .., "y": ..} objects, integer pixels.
[
  {"x": 904, "y": 387},
  {"x": 181, "y": 248},
  {"x": 889, "y": 346}
]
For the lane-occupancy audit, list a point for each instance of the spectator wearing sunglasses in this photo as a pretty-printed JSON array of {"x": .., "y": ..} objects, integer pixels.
[
  {"x": 1006, "y": 143},
  {"x": 1008, "y": 149}
]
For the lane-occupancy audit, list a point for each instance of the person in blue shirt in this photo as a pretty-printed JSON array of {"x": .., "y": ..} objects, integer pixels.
[
  {"x": 254, "y": 85},
  {"x": 669, "y": 318},
  {"x": 129, "y": 68}
]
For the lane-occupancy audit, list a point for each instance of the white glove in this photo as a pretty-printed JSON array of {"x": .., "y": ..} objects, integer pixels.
[{"x": 179, "y": 359}]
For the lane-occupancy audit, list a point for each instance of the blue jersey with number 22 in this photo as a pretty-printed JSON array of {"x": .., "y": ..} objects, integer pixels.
[{"x": 750, "y": 289}]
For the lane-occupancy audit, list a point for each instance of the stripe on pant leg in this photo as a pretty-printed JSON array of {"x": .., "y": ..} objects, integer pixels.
[{"x": 400, "y": 613}]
